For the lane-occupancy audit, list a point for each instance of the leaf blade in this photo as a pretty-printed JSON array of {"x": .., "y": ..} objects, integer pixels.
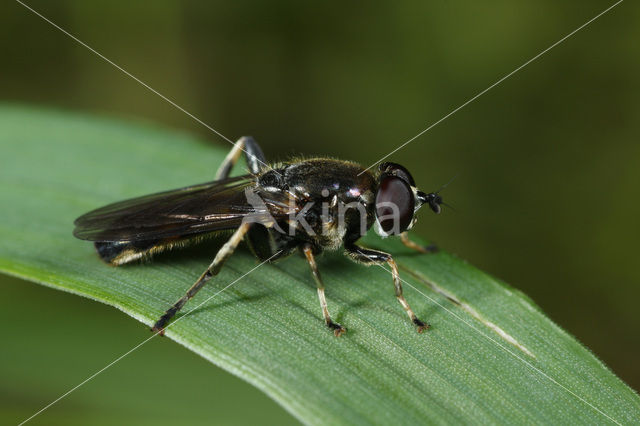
[{"x": 267, "y": 328}]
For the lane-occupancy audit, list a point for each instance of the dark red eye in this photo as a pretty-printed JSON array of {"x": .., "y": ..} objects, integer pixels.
[{"x": 394, "y": 205}]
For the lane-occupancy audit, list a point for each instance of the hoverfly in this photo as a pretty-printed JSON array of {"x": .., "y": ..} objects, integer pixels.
[{"x": 302, "y": 205}]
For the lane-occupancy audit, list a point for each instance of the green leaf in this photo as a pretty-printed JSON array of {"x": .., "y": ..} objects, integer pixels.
[{"x": 491, "y": 355}]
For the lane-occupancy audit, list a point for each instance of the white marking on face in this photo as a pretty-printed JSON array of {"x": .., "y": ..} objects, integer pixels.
[
  {"x": 417, "y": 204},
  {"x": 379, "y": 229}
]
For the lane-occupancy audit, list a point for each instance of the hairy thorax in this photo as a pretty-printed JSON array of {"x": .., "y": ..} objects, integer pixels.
[{"x": 333, "y": 199}]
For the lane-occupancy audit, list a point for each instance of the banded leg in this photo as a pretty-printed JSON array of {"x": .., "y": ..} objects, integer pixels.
[
  {"x": 375, "y": 257},
  {"x": 252, "y": 153},
  {"x": 225, "y": 251},
  {"x": 337, "y": 328},
  {"x": 431, "y": 248}
]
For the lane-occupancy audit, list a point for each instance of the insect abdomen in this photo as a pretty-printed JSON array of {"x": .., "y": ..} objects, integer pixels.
[{"x": 121, "y": 252}]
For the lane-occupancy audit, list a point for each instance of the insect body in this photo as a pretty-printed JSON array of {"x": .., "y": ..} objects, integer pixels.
[{"x": 303, "y": 205}]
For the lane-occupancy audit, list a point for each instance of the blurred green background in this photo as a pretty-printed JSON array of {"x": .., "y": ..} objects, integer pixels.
[{"x": 547, "y": 162}]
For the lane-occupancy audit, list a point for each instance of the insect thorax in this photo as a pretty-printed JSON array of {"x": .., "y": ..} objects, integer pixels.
[{"x": 332, "y": 203}]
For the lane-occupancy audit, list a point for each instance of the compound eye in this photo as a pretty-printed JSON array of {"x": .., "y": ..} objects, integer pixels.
[
  {"x": 394, "y": 205},
  {"x": 394, "y": 169}
]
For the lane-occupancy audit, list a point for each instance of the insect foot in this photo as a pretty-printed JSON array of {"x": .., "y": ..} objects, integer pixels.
[
  {"x": 159, "y": 330},
  {"x": 158, "y": 327},
  {"x": 338, "y": 330},
  {"x": 431, "y": 248},
  {"x": 421, "y": 326}
]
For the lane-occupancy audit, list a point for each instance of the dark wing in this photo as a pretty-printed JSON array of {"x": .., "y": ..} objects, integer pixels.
[{"x": 208, "y": 207}]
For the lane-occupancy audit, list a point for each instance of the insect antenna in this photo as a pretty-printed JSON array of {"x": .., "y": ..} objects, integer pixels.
[
  {"x": 449, "y": 206},
  {"x": 447, "y": 184}
]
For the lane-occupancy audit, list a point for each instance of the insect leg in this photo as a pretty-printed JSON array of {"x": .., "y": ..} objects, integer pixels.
[
  {"x": 431, "y": 248},
  {"x": 252, "y": 153},
  {"x": 337, "y": 328},
  {"x": 373, "y": 257},
  {"x": 213, "y": 269}
]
